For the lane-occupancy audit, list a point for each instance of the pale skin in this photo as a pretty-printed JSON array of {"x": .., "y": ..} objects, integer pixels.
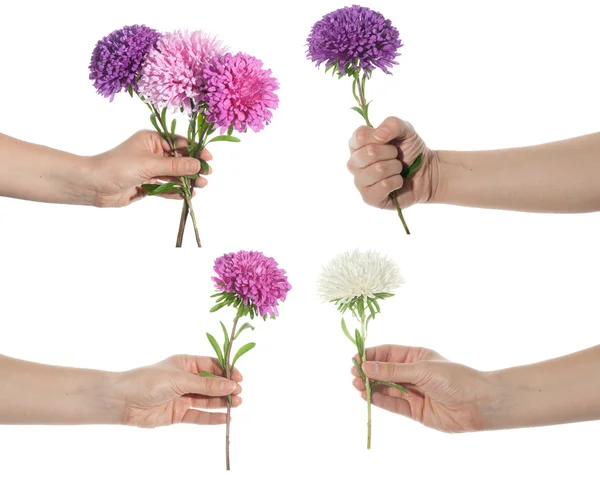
[
  {"x": 558, "y": 177},
  {"x": 111, "y": 179},
  {"x": 451, "y": 397},
  {"x": 166, "y": 393}
]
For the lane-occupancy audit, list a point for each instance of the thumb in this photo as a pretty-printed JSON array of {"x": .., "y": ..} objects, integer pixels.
[
  {"x": 170, "y": 166},
  {"x": 210, "y": 386},
  {"x": 392, "y": 128},
  {"x": 393, "y": 372}
]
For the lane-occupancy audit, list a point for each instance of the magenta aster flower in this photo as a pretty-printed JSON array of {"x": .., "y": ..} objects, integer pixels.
[
  {"x": 254, "y": 278},
  {"x": 354, "y": 37},
  {"x": 173, "y": 73},
  {"x": 116, "y": 59},
  {"x": 239, "y": 92}
]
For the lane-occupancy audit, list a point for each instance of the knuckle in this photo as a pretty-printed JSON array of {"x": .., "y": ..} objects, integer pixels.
[
  {"x": 362, "y": 135},
  {"x": 174, "y": 165},
  {"x": 371, "y": 151}
]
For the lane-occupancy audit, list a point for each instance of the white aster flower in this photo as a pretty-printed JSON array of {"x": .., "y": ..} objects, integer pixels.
[{"x": 357, "y": 274}]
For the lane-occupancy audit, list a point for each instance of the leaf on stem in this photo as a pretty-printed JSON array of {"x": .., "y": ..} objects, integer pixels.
[
  {"x": 205, "y": 166},
  {"x": 224, "y": 138},
  {"x": 130, "y": 90},
  {"x": 359, "y": 369},
  {"x": 360, "y": 343},
  {"x": 413, "y": 168},
  {"x": 245, "y": 326},
  {"x": 358, "y": 110},
  {"x": 217, "y": 349},
  {"x": 206, "y": 374},
  {"x": 163, "y": 118},
  {"x": 173, "y": 126},
  {"x": 226, "y": 335},
  {"x": 391, "y": 385},
  {"x": 219, "y": 306},
  {"x": 156, "y": 189},
  {"x": 345, "y": 330},
  {"x": 155, "y": 125},
  {"x": 242, "y": 351}
]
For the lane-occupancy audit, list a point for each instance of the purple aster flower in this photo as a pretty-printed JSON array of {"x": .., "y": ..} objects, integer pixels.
[
  {"x": 354, "y": 37},
  {"x": 173, "y": 73},
  {"x": 254, "y": 278},
  {"x": 116, "y": 59},
  {"x": 239, "y": 92}
]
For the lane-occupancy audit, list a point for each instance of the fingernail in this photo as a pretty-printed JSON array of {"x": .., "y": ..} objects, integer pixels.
[
  {"x": 371, "y": 368},
  {"x": 191, "y": 166},
  {"x": 381, "y": 134},
  {"x": 228, "y": 385}
]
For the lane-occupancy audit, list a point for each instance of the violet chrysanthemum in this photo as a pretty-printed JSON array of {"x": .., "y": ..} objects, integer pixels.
[
  {"x": 117, "y": 58},
  {"x": 254, "y": 278},
  {"x": 173, "y": 73},
  {"x": 354, "y": 37},
  {"x": 239, "y": 93}
]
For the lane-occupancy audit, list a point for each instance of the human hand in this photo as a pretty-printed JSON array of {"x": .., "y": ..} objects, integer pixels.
[
  {"x": 378, "y": 156},
  {"x": 442, "y": 395},
  {"x": 172, "y": 392},
  {"x": 117, "y": 175}
]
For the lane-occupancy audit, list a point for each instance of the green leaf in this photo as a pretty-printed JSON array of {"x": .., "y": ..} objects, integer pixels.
[
  {"x": 219, "y": 306},
  {"x": 224, "y": 138},
  {"x": 245, "y": 326},
  {"x": 359, "y": 369},
  {"x": 329, "y": 67},
  {"x": 217, "y": 349},
  {"x": 156, "y": 189},
  {"x": 413, "y": 168},
  {"x": 130, "y": 90},
  {"x": 230, "y": 131},
  {"x": 206, "y": 374},
  {"x": 242, "y": 351},
  {"x": 193, "y": 176},
  {"x": 360, "y": 344},
  {"x": 173, "y": 126},
  {"x": 163, "y": 117},
  {"x": 392, "y": 385},
  {"x": 205, "y": 166},
  {"x": 155, "y": 124},
  {"x": 345, "y": 330},
  {"x": 226, "y": 335},
  {"x": 358, "y": 110}
]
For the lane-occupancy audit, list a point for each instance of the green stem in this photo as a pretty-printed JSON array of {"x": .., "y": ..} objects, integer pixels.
[
  {"x": 361, "y": 86},
  {"x": 363, "y": 357},
  {"x": 228, "y": 376}
]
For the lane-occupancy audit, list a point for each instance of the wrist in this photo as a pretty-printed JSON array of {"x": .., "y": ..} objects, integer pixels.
[
  {"x": 447, "y": 167},
  {"x": 106, "y": 400},
  {"x": 77, "y": 182}
]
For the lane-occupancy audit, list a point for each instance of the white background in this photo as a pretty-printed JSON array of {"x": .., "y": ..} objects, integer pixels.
[{"x": 107, "y": 289}]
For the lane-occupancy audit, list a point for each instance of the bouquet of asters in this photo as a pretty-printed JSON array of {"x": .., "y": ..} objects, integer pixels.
[{"x": 190, "y": 74}]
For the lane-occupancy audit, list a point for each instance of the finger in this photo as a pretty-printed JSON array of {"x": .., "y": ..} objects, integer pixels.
[
  {"x": 200, "y": 182},
  {"x": 169, "y": 166},
  {"x": 181, "y": 144},
  {"x": 193, "y": 416},
  {"x": 206, "y": 155},
  {"x": 392, "y": 128},
  {"x": 391, "y": 404},
  {"x": 377, "y": 195},
  {"x": 209, "y": 386},
  {"x": 370, "y": 154},
  {"x": 208, "y": 403},
  {"x": 199, "y": 363},
  {"x": 377, "y": 172},
  {"x": 394, "y": 372}
]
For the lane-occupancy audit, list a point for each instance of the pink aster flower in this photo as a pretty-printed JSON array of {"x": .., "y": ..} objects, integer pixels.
[
  {"x": 172, "y": 74},
  {"x": 239, "y": 92},
  {"x": 254, "y": 278}
]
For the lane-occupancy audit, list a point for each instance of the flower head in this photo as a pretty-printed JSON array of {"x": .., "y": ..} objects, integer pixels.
[
  {"x": 173, "y": 73},
  {"x": 239, "y": 92},
  {"x": 253, "y": 278},
  {"x": 116, "y": 59},
  {"x": 354, "y": 38},
  {"x": 358, "y": 275}
]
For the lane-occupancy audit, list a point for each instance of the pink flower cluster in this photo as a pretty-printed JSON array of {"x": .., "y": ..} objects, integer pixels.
[
  {"x": 254, "y": 278},
  {"x": 193, "y": 72}
]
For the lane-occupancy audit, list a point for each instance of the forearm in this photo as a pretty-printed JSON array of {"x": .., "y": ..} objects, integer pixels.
[
  {"x": 556, "y": 391},
  {"x": 37, "y": 173},
  {"x": 561, "y": 177},
  {"x": 39, "y": 394}
]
